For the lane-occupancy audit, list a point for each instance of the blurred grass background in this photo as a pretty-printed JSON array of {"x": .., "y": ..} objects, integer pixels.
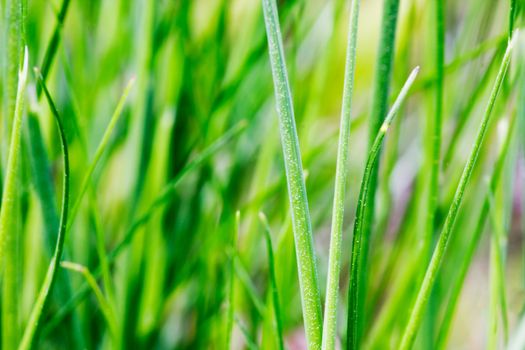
[{"x": 201, "y": 68}]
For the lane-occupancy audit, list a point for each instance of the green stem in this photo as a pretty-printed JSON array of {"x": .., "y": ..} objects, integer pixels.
[
  {"x": 334, "y": 260},
  {"x": 355, "y": 317},
  {"x": 8, "y": 221},
  {"x": 302, "y": 226},
  {"x": 273, "y": 281},
  {"x": 439, "y": 251},
  {"x": 47, "y": 286},
  {"x": 473, "y": 242}
]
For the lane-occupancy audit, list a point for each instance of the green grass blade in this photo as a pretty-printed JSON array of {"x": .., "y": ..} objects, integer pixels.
[
  {"x": 250, "y": 342},
  {"x": 457, "y": 285},
  {"x": 498, "y": 291},
  {"x": 273, "y": 281},
  {"x": 8, "y": 221},
  {"x": 231, "y": 287},
  {"x": 100, "y": 150},
  {"x": 334, "y": 260},
  {"x": 105, "y": 306},
  {"x": 355, "y": 316},
  {"x": 302, "y": 226},
  {"x": 52, "y": 46},
  {"x": 381, "y": 92},
  {"x": 439, "y": 252},
  {"x": 42, "y": 299}
]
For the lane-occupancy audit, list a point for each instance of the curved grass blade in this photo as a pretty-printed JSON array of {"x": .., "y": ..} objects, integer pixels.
[
  {"x": 273, "y": 281},
  {"x": 42, "y": 299},
  {"x": 334, "y": 260},
  {"x": 356, "y": 263},
  {"x": 8, "y": 220},
  {"x": 474, "y": 241},
  {"x": 100, "y": 150},
  {"x": 105, "y": 306},
  {"x": 383, "y": 77},
  {"x": 439, "y": 252},
  {"x": 161, "y": 199},
  {"x": 302, "y": 226}
]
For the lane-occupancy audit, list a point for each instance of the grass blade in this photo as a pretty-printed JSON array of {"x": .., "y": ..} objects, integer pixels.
[
  {"x": 334, "y": 260},
  {"x": 457, "y": 285},
  {"x": 383, "y": 75},
  {"x": 100, "y": 150},
  {"x": 8, "y": 220},
  {"x": 273, "y": 281},
  {"x": 231, "y": 287},
  {"x": 42, "y": 299},
  {"x": 439, "y": 251},
  {"x": 105, "y": 306},
  {"x": 355, "y": 316},
  {"x": 302, "y": 226}
]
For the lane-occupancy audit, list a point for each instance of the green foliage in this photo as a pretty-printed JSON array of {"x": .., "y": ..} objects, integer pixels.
[{"x": 167, "y": 132}]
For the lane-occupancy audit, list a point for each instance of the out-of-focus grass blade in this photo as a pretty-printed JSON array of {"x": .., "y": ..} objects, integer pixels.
[
  {"x": 8, "y": 220},
  {"x": 231, "y": 287},
  {"x": 439, "y": 252},
  {"x": 42, "y": 299},
  {"x": 498, "y": 291},
  {"x": 334, "y": 260},
  {"x": 302, "y": 226},
  {"x": 273, "y": 281},
  {"x": 250, "y": 342},
  {"x": 100, "y": 150},
  {"x": 355, "y": 316},
  {"x": 105, "y": 306}
]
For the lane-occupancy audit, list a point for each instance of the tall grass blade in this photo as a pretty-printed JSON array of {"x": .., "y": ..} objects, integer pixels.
[
  {"x": 334, "y": 260},
  {"x": 273, "y": 281},
  {"x": 231, "y": 287},
  {"x": 457, "y": 285},
  {"x": 439, "y": 252},
  {"x": 8, "y": 220},
  {"x": 302, "y": 227},
  {"x": 100, "y": 150},
  {"x": 42, "y": 299},
  {"x": 355, "y": 316}
]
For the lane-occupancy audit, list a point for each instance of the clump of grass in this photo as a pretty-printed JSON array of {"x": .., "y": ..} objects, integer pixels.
[{"x": 439, "y": 252}]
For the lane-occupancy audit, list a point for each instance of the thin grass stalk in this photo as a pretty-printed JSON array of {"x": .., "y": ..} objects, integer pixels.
[
  {"x": 383, "y": 77},
  {"x": 100, "y": 150},
  {"x": 43, "y": 296},
  {"x": 231, "y": 287},
  {"x": 334, "y": 260},
  {"x": 8, "y": 221},
  {"x": 165, "y": 195},
  {"x": 273, "y": 281},
  {"x": 355, "y": 316},
  {"x": 456, "y": 287},
  {"x": 302, "y": 227},
  {"x": 434, "y": 152},
  {"x": 439, "y": 252},
  {"x": 105, "y": 306},
  {"x": 498, "y": 299}
]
